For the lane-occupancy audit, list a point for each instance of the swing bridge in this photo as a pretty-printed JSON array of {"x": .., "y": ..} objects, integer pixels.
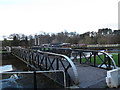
[{"x": 75, "y": 67}]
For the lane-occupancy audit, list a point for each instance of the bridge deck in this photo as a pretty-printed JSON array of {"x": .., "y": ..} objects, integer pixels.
[{"x": 90, "y": 77}]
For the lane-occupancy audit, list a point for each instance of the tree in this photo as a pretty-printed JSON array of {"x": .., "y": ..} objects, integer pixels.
[
  {"x": 15, "y": 41},
  {"x": 105, "y": 31},
  {"x": 6, "y": 42},
  {"x": 26, "y": 41},
  {"x": 116, "y": 32},
  {"x": 31, "y": 40},
  {"x": 101, "y": 40}
]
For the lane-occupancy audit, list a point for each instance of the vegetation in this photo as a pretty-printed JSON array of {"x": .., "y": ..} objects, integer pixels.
[
  {"x": 103, "y": 36},
  {"x": 18, "y": 40},
  {"x": 3, "y": 52}
]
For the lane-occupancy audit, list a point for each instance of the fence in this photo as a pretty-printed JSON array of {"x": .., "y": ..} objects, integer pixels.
[
  {"x": 40, "y": 60},
  {"x": 93, "y": 58},
  {"x": 35, "y": 81}
]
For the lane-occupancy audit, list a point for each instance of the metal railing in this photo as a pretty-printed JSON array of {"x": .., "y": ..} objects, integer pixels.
[
  {"x": 37, "y": 72},
  {"x": 40, "y": 60},
  {"x": 80, "y": 55},
  {"x": 93, "y": 57}
]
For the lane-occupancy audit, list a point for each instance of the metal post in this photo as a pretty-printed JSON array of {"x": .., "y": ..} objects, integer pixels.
[
  {"x": 119, "y": 59},
  {"x": 46, "y": 63},
  {"x": 94, "y": 59},
  {"x": 28, "y": 59},
  {"x": 57, "y": 64},
  {"x": 69, "y": 55},
  {"x": 35, "y": 82},
  {"x": 34, "y": 73},
  {"x": 38, "y": 60},
  {"x": 105, "y": 59},
  {"x": 80, "y": 57},
  {"x": 32, "y": 59},
  {"x": 90, "y": 57},
  {"x": 108, "y": 62}
]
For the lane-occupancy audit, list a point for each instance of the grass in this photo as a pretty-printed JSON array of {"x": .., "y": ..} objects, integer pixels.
[
  {"x": 99, "y": 61},
  {"x": 115, "y": 57},
  {"x": 3, "y": 51}
]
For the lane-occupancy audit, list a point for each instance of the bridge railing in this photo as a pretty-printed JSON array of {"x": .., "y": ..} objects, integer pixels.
[
  {"x": 95, "y": 58},
  {"x": 48, "y": 61},
  {"x": 19, "y": 76}
]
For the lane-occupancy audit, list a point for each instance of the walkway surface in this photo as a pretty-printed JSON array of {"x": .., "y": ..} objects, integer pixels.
[{"x": 90, "y": 77}]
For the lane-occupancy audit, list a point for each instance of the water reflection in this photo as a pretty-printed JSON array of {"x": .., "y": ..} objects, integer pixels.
[{"x": 10, "y": 82}]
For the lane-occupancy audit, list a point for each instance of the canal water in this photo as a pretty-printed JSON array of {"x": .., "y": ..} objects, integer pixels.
[{"x": 24, "y": 80}]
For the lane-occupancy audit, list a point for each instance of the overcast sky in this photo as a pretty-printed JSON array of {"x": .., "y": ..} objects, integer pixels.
[{"x": 34, "y": 16}]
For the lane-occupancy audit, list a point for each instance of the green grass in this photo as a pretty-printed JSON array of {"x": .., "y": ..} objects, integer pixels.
[
  {"x": 3, "y": 51},
  {"x": 115, "y": 57},
  {"x": 99, "y": 61}
]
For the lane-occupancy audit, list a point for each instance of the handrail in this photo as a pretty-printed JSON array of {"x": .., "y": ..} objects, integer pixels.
[
  {"x": 110, "y": 58},
  {"x": 76, "y": 81},
  {"x": 83, "y": 50},
  {"x": 98, "y": 51},
  {"x": 69, "y": 60},
  {"x": 26, "y": 72}
]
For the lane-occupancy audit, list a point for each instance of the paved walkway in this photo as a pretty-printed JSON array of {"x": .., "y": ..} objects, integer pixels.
[{"x": 90, "y": 77}]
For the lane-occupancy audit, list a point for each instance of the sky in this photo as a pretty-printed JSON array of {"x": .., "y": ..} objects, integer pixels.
[{"x": 53, "y": 16}]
